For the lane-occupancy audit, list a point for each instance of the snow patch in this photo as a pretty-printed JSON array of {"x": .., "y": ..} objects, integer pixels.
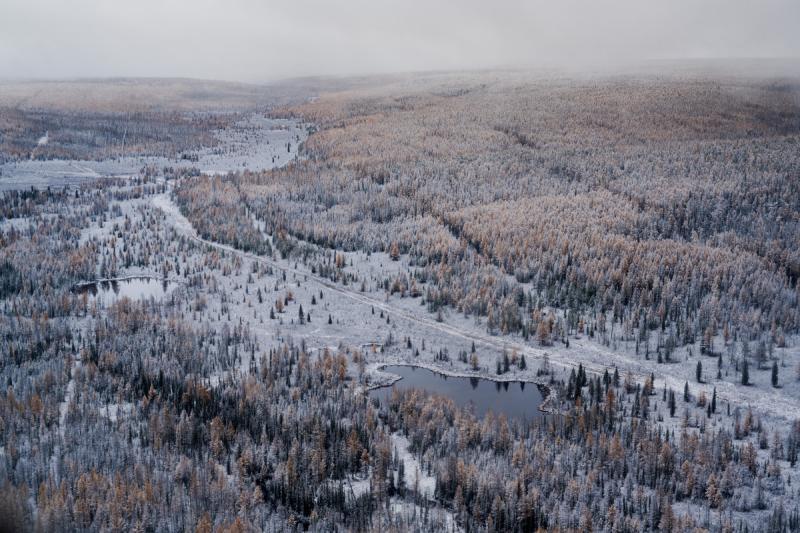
[{"x": 415, "y": 478}]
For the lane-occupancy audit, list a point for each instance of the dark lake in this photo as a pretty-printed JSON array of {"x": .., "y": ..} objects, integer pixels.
[
  {"x": 108, "y": 292},
  {"x": 515, "y": 399}
]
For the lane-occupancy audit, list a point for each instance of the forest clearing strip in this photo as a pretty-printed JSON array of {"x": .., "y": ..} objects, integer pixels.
[{"x": 593, "y": 358}]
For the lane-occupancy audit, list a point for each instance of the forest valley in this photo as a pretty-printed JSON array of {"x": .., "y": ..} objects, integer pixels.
[{"x": 631, "y": 244}]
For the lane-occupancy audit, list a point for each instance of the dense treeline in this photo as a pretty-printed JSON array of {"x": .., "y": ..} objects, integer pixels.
[
  {"x": 601, "y": 466},
  {"x": 45, "y": 246},
  {"x": 170, "y": 449},
  {"x": 656, "y": 202},
  {"x": 99, "y": 119},
  {"x": 42, "y": 255},
  {"x": 221, "y": 201},
  {"x": 280, "y": 443},
  {"x": 81, "y": 135}
]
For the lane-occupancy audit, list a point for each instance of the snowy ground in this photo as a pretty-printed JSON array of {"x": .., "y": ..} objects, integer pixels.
[
  {"x": 255, "y": 142},
  {"x": 408, "y": 514},
  {"x": 355, "y": 324},
  {"x": 415, "y": 478}
]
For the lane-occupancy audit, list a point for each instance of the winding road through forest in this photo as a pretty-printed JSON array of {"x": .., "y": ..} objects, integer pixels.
[{"x": 593, "y": 357}]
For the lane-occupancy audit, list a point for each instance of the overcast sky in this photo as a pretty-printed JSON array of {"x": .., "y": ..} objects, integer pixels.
[{"x": 254, "y": 40}]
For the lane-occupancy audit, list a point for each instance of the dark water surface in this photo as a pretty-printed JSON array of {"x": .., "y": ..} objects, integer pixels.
[
  {"x": 515, "y": 399},
  {"x": 108, "y": 292}
]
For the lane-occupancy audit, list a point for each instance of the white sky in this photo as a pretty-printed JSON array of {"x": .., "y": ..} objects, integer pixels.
[{"x": 254, "y": 40}]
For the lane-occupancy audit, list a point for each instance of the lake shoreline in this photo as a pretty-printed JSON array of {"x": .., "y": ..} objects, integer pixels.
[
  {"x": 88, "y": 283},
  {"x": 545, "y": 387}
]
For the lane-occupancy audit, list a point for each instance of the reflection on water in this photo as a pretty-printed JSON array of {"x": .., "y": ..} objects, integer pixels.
[
  {"x": 108, "y": 292},
  {"x": 513, "y": 399}
]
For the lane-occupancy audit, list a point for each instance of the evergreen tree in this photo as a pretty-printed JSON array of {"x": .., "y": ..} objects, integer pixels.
[
  {"x": 671, "y": 403},
  {"x": 775, "y": 374}
]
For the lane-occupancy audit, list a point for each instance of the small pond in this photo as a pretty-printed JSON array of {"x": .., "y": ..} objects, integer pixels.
[
  {"x": 108, "y": 292},
  {"x": 517, "y": 400}
]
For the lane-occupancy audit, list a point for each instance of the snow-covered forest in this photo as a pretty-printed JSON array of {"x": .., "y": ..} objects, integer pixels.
[
  {"x": 668, "y": 203},
  {"x": 629, "y": 244}
]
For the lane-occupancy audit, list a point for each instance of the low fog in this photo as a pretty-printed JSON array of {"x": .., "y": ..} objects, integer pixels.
[{"x": 250, "y": 40}]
